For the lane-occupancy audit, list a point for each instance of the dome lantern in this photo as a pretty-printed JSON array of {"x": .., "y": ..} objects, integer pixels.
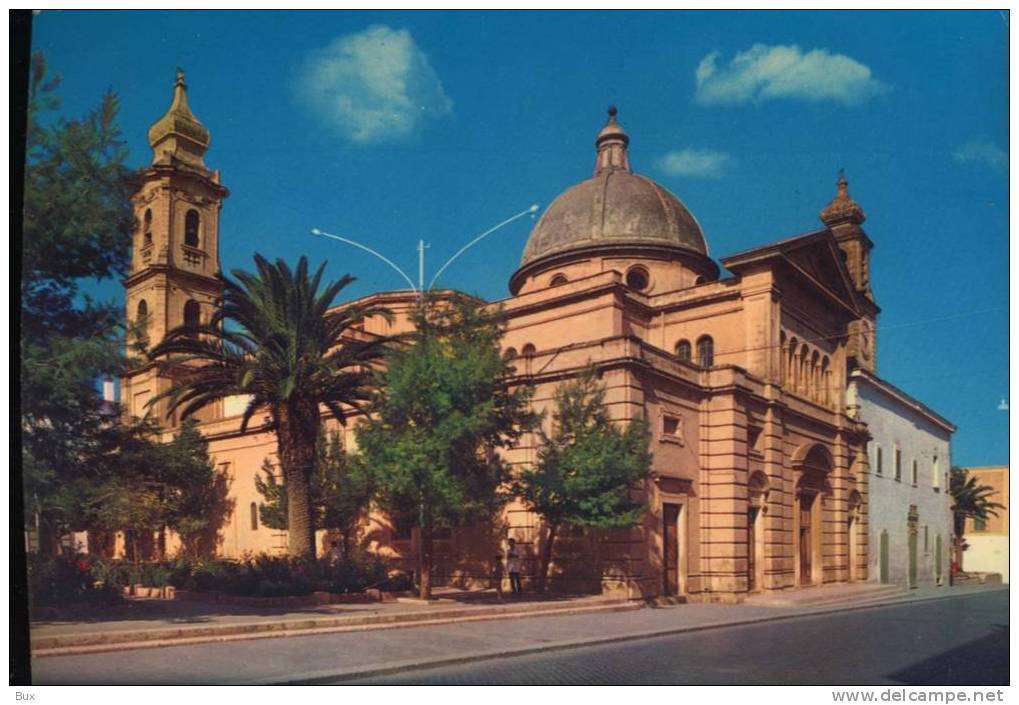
[{"x": 612, "y": 143}]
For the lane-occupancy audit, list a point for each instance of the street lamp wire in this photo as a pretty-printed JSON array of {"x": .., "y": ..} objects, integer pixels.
[
  {"x": 521, "y": 214},
  {"x": 316, "y": 231}
]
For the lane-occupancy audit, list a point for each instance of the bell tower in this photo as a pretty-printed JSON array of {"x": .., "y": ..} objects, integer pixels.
[
  {"x": 175, "y": 252},
  {"x": 844, "y": 217}
]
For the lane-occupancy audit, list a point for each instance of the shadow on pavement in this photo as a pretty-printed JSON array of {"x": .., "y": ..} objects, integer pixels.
[{"x": 983, "y": 661}]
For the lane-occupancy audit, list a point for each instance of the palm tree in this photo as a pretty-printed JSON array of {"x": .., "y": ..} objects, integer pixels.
[
  {"x": 968, "y": 500},
  {"x": 275, "y": 339}
]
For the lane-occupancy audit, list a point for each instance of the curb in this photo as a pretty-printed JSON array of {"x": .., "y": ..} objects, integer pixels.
[
  {"x": 341, "y": 676},
  {"x": 98, "y": 642}
]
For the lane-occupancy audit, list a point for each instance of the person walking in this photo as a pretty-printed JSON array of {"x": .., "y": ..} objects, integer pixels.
[{"x": 513, "y": 566}]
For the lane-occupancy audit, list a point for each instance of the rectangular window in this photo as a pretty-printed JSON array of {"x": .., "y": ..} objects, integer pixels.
[
  {"x": 935, "y": 474},
  {"x": 926, "y": 540},
  {"x": 670, "y": 425},
  {"x": 672, "y": 429},
  {"x": 979, "y": 524},
  {"x": 754, "y": 440},
  {"x": 878, "y": 462},
  {"x": 898, "y": 465},
  {"x": 914, "y": 474}
]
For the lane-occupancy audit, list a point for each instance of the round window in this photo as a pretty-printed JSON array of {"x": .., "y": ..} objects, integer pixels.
[{"x": 637, "y": 279}]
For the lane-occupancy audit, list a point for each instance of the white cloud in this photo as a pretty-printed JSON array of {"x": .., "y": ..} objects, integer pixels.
[
  {"x": 763, "y": 72},
  {"x": 372, "y": 86},
  {"x": 981, "y": 151},
  {"x": 694, "y": 162}
]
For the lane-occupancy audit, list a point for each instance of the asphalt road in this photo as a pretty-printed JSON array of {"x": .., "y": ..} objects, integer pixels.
[{"x": 956, "y": 641}]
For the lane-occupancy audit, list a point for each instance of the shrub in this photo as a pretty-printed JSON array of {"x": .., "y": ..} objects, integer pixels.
[
  {"x": 60, "y": 580},
  {"x": 255, "y": 575}
]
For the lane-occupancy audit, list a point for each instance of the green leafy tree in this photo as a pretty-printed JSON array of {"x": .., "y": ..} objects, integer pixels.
[
  {"x": 969, "y": 500},
  {"x": 340, "y": 492},
  {"x": 443, "y": 407},
  {"x": 77, "y": 225},
  {"x": 588, "y": 467},
  {"x": 273, "y": 511},
  {"x": 148, "y": 486},
  {"x": 195, "y": 492},
  {"x": 277, "y": 339}
]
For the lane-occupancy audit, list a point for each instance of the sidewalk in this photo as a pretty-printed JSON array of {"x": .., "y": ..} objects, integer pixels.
[
  {"x": 147, "y": 623},
  {"x": 338, "y": 656}
]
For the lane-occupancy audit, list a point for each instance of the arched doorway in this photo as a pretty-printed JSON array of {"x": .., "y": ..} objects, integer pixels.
[
  {"x": 757, "y": 495},
  {"x": 813, "y": 463}
]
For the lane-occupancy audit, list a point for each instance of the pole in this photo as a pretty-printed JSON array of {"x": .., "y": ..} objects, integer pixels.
[{"x": 421, "y": 265}]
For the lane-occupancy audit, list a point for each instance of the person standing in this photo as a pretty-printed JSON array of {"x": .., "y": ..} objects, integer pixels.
[{"x": 513, "y": 566}]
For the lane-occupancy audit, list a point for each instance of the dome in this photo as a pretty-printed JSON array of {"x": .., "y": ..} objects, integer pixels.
[{"x": 614, "y": 208}]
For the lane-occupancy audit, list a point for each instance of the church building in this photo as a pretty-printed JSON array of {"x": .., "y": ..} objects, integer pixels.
[{"x": 760, "y": 474}]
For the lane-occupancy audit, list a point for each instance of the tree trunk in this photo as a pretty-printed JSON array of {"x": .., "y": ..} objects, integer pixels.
[
  {"x": 958, "y": 540},
  {"x": 425, "y": 563},
  {"x": 546, "y": 557},
  {"x": 296, "y": 437}
]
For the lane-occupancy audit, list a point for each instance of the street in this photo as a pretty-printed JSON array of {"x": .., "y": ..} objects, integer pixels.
[
  {"x": 953, "y": 641},
  {"x": 961, "y": 639}
]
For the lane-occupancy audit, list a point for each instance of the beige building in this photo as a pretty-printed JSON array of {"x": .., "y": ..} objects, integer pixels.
[
  {"x": 760, "y": 477},
  {"x": 987, "y": 541}
]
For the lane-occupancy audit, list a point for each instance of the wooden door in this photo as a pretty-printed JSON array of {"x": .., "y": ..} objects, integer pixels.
[
  {"x": 806, "y": 539},
  {"x": 670, "y": 547},
  {"x": 883, "y": 558}
]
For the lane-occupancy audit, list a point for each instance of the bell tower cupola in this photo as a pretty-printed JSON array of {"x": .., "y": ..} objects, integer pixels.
[
  {"x": 844, "y": 218},
  {"x": 178, "y": 135}
]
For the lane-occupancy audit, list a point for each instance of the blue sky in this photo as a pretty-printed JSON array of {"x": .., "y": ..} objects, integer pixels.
[{"x": 390, "y": 127}]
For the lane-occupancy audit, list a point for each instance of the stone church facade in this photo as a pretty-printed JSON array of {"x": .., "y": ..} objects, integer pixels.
[{"x": 760, "y": 476}]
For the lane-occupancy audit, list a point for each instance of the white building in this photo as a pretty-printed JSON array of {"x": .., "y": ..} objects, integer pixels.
[
  {"x": 987, "y": 540},
  {"x": 910, "y": 515}
]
